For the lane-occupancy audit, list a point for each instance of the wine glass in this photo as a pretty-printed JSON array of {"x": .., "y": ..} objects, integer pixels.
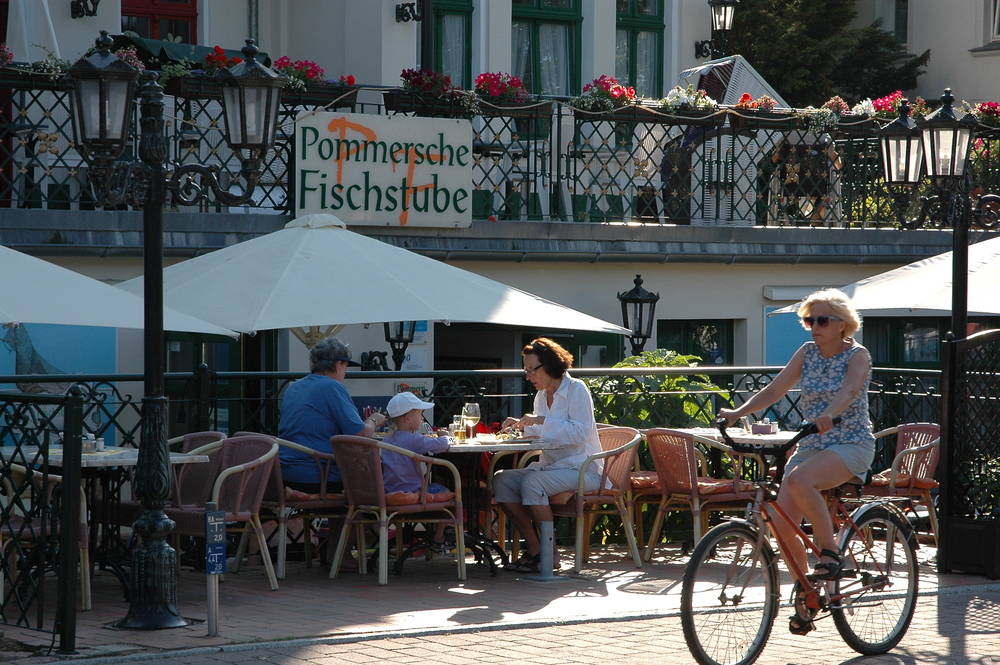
[{"x": 470, "y": 416}]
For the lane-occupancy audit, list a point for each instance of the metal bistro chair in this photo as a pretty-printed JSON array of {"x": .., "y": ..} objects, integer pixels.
[
  {"x": 360, "y": 463},
  {"x": 912, "y": 471},
  {"x": 676, "y": 458},
  {"x": 619, "y": 448}
]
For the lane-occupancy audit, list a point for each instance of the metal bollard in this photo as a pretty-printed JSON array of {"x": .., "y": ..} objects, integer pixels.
[{"x": 547, "y": 538}]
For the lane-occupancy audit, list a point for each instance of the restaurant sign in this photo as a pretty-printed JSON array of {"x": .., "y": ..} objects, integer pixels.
[{"x": 384, "y": 170}]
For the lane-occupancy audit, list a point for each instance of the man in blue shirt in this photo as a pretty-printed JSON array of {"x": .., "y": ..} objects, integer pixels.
[{"x": 316, "y": 408}]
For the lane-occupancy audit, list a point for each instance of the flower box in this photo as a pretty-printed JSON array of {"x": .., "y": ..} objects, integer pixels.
[
  {"x": 654, "y": 115},
  {"x": 759, "y": 119},
  {"x": 317, "y": 94},
  {"x": 23, "y": 79},
  {"x": 505, "y": 107},
  {"x": 405, "y": 101},
  {"x": 192, "y": 87}
]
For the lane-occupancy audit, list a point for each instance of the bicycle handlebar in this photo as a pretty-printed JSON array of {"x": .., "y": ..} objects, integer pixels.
[{"x": 806, "y": 429}]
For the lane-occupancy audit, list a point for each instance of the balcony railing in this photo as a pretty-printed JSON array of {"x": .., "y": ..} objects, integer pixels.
[{"x": 541, "y": 162}]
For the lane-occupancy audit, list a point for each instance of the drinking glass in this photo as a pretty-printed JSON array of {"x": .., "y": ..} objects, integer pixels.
[{"x": 470, "y": 416}]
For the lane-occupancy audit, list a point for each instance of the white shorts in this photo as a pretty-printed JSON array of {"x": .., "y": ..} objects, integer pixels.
[
  {"x": 533, "y": 486},
  {"x": 857, "y": 457}
]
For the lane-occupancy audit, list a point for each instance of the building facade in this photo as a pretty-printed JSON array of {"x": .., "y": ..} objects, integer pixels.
[{"x": 718, "y": 275}]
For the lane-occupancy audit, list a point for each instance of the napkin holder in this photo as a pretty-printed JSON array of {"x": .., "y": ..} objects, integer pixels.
[{"x": 764, "y": 428}]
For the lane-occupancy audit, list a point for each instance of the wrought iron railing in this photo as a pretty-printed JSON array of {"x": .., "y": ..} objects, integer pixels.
[
  {"x": 543, "y": 161},
  {"x": 106, "y": 406}
]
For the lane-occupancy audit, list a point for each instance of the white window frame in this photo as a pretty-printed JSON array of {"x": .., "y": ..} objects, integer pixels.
[{"x": 994, "y": 26}]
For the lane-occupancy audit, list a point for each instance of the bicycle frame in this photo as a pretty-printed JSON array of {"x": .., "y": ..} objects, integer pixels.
[{"x": 765, "y": 509}]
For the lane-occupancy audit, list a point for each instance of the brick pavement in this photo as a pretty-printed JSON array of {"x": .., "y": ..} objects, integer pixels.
[{"x": 610, "y": 613}]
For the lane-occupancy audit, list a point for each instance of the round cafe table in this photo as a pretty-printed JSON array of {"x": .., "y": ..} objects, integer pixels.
[{"x": 467, "y": 460}]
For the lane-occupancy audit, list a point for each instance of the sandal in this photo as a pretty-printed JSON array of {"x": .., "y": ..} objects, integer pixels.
[
  {"x": 828, "y": 570},
  {"x": 528, "y": 563},
  {"x": 799, "y": 626},
  {"x": 442, "y": 547}
]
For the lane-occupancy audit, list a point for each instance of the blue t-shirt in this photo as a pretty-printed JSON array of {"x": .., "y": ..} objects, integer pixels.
[{"x": 312, "y": 410}]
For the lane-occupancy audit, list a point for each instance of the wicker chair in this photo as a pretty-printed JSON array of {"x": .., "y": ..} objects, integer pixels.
[
  {"x": 360, "y": 463},
  {"x": 676, "y": 458},
  {"x": 246, "y": 464},
  {"x": 912, "y": 471},
  {"x": 282, "y": 504},
  {"x": 619, "y": 447}
]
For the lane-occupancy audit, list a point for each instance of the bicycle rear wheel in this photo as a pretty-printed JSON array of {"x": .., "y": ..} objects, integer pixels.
[
  {"x": 880, "y": 582},
  {"x": 729, "y": 596}
]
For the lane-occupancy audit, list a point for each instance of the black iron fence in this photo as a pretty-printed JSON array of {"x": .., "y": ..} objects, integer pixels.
[
  {"x": 40, "y": 512},
  {"x": 541, "y": 161},
  {"x": 970, "y": 493}
]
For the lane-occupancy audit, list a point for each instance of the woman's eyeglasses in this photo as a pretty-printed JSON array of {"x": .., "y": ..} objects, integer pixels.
[
  {"x": 529, "y": 371},
  {"x": 809, "y": 322}
]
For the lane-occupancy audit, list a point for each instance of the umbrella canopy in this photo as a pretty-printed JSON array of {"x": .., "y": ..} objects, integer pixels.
[
  {"x": 36, "y": 291},
  {"x": 315, "y": 272},
  {"x": 924, "y": 287}
]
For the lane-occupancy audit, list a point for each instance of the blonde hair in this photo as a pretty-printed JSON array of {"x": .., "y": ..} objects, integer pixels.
[{"x": 839, "y": 303}]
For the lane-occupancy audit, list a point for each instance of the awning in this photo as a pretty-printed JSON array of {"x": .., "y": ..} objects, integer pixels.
[{"x": 155, "y": 53}]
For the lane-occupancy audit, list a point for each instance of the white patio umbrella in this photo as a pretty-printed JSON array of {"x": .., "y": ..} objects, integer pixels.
[
  {"x": 36, "y": 291},
  {"x": 315, "y": 272},
  {"x": 924, "y": 287}
]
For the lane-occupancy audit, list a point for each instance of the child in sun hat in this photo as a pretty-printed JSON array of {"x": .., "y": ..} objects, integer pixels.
[{"x": 403, "y": 474}]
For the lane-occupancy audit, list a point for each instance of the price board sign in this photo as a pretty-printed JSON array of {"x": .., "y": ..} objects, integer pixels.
[{"x": 215, "y": 542}]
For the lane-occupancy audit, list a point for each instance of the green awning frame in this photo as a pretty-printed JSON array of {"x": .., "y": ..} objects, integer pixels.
[{"x": 154, "y": 53}]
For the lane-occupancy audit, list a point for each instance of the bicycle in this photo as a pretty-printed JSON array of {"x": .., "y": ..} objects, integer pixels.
[{"x": 731, "y": 590}]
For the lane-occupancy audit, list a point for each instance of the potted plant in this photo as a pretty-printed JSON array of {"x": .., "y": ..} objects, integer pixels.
[
  {"x": 187, "y": 79},
  {"x": 432, "y": 94},
  {"x": 690, "y": 106},
  {"x": 602, "y": 95},
  {"x": 503, "y": 94},
  {"x": 749, "y": 112},
  {"x": 308, "y": 85}
]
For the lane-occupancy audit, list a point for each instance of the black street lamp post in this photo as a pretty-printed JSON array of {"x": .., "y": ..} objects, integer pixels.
[
  {"x": 102, "y": 109},
  {"x": 941, "y": 143},
  {"x": 399, "y": 335},
  {"x": 634, "y": 315},
  {"x": 723, "y": 12}
]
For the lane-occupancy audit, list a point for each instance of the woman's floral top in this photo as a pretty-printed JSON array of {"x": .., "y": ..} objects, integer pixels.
[{"x": 821, "y": 380}]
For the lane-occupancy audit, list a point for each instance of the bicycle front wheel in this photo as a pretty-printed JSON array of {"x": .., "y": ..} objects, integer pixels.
[
  {"x": 874, "y": 601},
  {"x": 729, "y": 596}
]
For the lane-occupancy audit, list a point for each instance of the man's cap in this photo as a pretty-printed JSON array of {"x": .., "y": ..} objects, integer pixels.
[
  {"x": 350, "y": 363},
  {"x": 404, "y": 402}
]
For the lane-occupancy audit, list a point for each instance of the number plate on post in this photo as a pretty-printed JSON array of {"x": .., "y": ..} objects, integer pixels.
[{"x": 215, "y": 542}]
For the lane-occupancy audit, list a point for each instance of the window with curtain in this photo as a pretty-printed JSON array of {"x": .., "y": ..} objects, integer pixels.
[
  {"x": 453, "y": 40},
  {"x": 545, "y": 38},
  {"x": 995, "y": 22},
  {"x": 639, "y": 46},
  {"x": 170, "y": 20}
]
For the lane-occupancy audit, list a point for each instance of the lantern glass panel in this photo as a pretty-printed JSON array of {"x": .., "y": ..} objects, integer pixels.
[
  {"x": 234, "y": 114},
  {"x": 89, "y": 100},
  {"x": 903, "y": 158},
  {"x": 116, "y": 109},
  {"x": 722, "y": 17}
]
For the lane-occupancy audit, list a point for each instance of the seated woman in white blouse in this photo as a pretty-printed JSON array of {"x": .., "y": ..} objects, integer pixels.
[{"x": 564, "y": 412}]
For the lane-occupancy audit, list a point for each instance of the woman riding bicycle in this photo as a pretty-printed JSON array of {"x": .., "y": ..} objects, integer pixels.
[{"x": 834, "y": 371}]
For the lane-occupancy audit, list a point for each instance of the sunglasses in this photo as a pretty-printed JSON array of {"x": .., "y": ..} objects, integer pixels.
[{"x": 809, "y": 322}]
